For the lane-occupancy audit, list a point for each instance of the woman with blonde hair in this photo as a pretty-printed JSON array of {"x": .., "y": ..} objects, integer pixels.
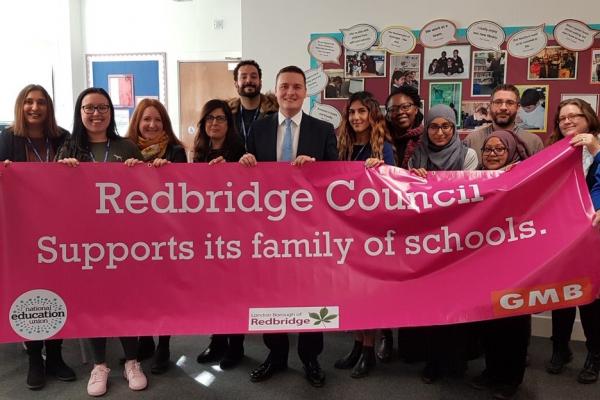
[{"x": 363, "y": 136}]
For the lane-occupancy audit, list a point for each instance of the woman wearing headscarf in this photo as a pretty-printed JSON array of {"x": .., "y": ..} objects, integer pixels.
[{"x": 504, "y": 340}]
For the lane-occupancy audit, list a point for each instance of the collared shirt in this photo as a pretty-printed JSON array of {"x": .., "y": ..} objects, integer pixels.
[{"x": 296, "y": 119}]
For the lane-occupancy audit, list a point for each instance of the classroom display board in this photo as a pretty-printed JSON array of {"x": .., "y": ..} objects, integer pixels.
[{"x": 458, "y": 67}]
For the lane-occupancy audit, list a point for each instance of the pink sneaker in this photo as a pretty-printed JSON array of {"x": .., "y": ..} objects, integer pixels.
[
  {"x": 134, "y": 375},
  {"x": 98, "y": 380}
]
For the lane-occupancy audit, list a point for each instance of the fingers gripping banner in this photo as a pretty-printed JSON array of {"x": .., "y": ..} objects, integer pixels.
[{"x": 109, "y": 250}]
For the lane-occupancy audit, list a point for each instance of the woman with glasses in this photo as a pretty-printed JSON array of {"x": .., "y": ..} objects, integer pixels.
[
  {"x": 95, "y": 139},
  {"x": 577, "y": 120},
  {"x": 442, "y": 150},
  {"x": 405, "y": 123},
  {"x": 151, "y": 130},
  {"x": 217, "y": 142},
  {"x": 363, "y": 136},
  {"x": 34, "y": 136},
  {"x": 504, "y": 340}
]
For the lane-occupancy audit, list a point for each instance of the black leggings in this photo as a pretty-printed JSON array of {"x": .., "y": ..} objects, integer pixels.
[
  {"x": 130, "y": 347},
  {"x": 563, "y": 320}
]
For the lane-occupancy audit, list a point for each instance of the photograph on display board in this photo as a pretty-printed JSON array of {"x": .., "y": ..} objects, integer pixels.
[
  {"x": 475, "y": 114},
  {"x": 488, "y": 71},
  {"x": 591, "y": 99},
  {"x": 448, "y": 93},
  {"x": 554, "y": 62},
  {"x": 365, "y": 64},
  {"x": 447, "y": 62},
  {"x": 405, "y": 69},
  {"x": 339, "y": 87},
  {"x": 532, "y": 114},
  {"x": 596, "y": 66},
  {"x": 120, "y": 89}
]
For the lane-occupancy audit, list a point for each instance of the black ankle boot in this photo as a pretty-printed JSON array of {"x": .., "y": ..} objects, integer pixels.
[
  {"x": 55, "y": 364},
  {"x": 215, "y": 350},
  {"x": 365, "y": 363},
  {"x": 36, "y": 375},
  {"x": 386, "y": 346},
  {"x": 162, "y": 359},
  {"x": 589, "y": 373},
  {"x": 561, "y": 356},
  {"x": 350, "y": 359}
]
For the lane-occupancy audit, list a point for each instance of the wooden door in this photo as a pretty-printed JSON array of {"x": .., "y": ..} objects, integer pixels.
[{"x": 198, "y": 83}]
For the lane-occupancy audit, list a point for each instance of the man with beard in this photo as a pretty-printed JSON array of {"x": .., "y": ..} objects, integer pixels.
[
  {"x": 503, "y": 110},
  {"x": 404, "y": 120},
  {"x": 251, "y": 105}
]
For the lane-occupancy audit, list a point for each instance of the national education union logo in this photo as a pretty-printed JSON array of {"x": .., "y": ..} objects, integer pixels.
[{"x": 38, "y": 314}]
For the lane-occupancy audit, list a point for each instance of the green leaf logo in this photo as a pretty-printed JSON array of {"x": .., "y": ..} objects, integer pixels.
[{"x": 323, "y": 317}]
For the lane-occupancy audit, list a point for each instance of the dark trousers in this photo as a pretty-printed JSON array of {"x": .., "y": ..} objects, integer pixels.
[
  {"x": 130, "y": 347},
  {"x": 225, "y": 342},
  {"x": 447, "y": 347},
  {"x": 563, "y": 320},
  {"x": 35, "y": 347},
  {"x": 310, "y": 345},
  {"x": 505, "y": 343}
]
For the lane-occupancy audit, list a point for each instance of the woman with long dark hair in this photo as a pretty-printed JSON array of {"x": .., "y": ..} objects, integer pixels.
[
  {"x": 95, "y": 139},
  {"x": 216, "y": 142},
  {"x": 34, "y": 136},
  {"x": 363, "y": 136}
]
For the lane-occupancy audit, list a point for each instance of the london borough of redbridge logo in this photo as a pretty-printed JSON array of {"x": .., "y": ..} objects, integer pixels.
[{"x": 38, "y": 314}]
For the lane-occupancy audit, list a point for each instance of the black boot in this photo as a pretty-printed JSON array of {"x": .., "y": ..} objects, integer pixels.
[
  {"x": 350, "y": 359},
  {"x": 589, "y": 373},
  {"x": 386, "y": 346},
  {"x": 36, "y": 375},
  {"x": 365, "y": 363},
  {"x": 145, "y": 348},
  {"x": 561, "y": 356},
  {"x": 162, "y": 359},
  {"x": 55, "y": 364},
  {"x": 215, "y": 350}
]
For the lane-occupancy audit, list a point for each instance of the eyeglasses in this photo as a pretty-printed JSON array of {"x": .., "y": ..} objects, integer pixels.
[
  {"x": 563, "y": 118},
  {"x": 218, "y": 118},
  {"x": 89, "y": 108},
  {"x": 444, "y": 127},
  {"x": 509, "y": 103},
  {"x": 496, "y": 150},
  {"x": 401, "y": 107}
]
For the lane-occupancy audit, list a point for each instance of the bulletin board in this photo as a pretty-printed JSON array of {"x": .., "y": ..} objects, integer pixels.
[
  {"x": 128, "y": 78},
  {"x": 522, "y": 56}
]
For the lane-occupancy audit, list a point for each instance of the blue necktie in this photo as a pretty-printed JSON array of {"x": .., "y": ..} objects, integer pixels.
[{"x": 286, "y": 149}]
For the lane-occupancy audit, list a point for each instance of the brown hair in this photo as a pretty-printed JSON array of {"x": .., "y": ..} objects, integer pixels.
[
  {"x": 587, "y": 111},
  {"x": 19, "y": 126},
  {"x": 133, "y": 132},
  {"x": 378, "y": 134}
]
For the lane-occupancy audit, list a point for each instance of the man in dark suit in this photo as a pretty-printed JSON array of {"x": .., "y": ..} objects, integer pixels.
[{"x": 292, "y": 136}]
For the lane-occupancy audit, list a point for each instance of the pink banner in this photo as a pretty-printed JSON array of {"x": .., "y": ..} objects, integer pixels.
[{"x": 108, "y": 250}]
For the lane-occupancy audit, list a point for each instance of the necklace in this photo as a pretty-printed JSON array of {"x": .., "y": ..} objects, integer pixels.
[{"x": 360, "y": 152}]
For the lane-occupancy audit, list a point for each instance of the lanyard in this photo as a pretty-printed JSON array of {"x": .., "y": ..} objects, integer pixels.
[
  {"x": 243, "y": 125},
  {"x": 36, "y": 152},
  {"x": 106, "y": 150}
]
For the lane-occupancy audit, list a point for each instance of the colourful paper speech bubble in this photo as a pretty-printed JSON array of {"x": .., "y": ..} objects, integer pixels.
[
  {"x": 316, "y": 80},
  {"x": 359, "y": 37},
  {"x": 574, "y": 35},
  {"x": 397, "y": 40},
  {"x": 325, "y": 49},
  {"x": 438, "y": 33},
  {"x": 327, "y": 113},
  {"x": 486, "y": 35},
  {"x": 527, "y": 42}
]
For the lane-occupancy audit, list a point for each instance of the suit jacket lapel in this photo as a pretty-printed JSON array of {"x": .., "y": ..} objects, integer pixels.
[
  {"x": 271, "y": 140},
  {"x": 304, "y": 140}
]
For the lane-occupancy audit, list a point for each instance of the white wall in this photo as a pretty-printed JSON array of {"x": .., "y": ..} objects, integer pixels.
[{"x": 183, "y": 30}]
